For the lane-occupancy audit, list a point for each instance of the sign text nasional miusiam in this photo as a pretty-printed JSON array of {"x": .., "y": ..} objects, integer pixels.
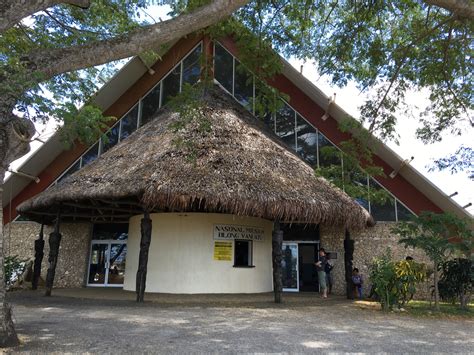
[{"x": 231, "y": 231}]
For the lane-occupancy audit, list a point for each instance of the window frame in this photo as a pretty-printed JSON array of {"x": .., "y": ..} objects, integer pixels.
[{"x": 249, "y": 251}]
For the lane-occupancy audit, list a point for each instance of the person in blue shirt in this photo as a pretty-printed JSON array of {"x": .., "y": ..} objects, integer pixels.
[{"x": 357, "y": 281}]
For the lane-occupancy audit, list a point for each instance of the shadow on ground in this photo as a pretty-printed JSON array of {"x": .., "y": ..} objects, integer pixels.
[{"x": 112, "y": 322}]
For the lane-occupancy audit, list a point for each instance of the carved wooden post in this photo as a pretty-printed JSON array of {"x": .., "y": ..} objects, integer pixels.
[
  {"x": 348, "y": 257},
  {"x": 54, "y": 241},
  {"x": 277, "y": 240},
  {"x": 39, "y": 253},
  {"x": 143, "y": 258}
]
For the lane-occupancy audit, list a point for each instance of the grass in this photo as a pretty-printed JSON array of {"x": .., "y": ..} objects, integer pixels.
[{"x": 423, "y": 309}]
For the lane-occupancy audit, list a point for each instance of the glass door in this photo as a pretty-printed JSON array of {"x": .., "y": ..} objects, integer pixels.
[
  {"x": 98, "y": 263},
  {"x": 107, "y": 263},
  {"x": 290, "y": 267},
  {"x": 116, "y": 272}
]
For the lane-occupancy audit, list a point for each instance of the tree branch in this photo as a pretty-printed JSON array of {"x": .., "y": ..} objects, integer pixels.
[
  {"x": 13, "y": 11},
  {"x": 461, "y": 8},
  {"x": 52, "y": 62}
]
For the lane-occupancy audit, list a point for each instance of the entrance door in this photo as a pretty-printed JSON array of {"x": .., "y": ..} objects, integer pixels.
[
  {"x": 290, "y": 267},
  {"x": 107, "y": 263},
  {"x": 308, "y": 277}
]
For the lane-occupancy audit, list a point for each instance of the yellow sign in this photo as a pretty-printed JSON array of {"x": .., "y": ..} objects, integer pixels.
[{"x": 222, "y": 250}]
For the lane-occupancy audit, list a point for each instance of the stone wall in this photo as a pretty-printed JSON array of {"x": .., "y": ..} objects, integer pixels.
[
  {"x": 368, "y": 244},
  {"x": 73, "y": 252}
]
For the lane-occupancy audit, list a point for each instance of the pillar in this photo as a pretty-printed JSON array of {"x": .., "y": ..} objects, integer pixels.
[
  {"x": 39, "y": 253},
  {"x": 277, "y": 240},
  {"x": 54, "y": 242},
  {"x": 348, "y": 257},
  {"x": 143, "y": 257}
]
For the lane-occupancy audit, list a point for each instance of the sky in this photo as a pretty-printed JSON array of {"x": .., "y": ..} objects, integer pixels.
[{"x": 349, "y": 98}]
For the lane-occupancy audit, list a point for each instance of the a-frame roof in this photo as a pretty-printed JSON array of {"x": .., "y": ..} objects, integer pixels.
[{"x": 290, "y": 81}]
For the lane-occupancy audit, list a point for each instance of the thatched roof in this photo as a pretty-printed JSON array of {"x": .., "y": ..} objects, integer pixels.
[{"x": 239, "y": 168}]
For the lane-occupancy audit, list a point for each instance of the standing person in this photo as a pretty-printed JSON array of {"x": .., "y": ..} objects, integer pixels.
[
  {"x": 320, "y": 268},
  {"x": 357, "y": 281},
  {"x": 328, "y": 270}
]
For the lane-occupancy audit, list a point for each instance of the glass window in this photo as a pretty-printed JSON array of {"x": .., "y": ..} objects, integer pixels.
[
  {"x": 243, "y": 86},
  {"x": 306, "y": 141},
  {"x": 285, "y": 125},
  {"x": 75, "y": 167},
  {"x": 262, "y": 105},
  {"x": 403, "y": 213},
  {"x": 358, "y": 187},
  {"x": 223, "y": 67},
  {"x": 129, "y": 123},
  {"x": 329, "y": 154},
  {"x": 118, "y": 231},
  {"x": 150, "y": 105},
  {"x": 192, "y": 66},
  {"x": 111, "y": 138},
  {"x": 90, "y": 155},
  {"x": 382, "y": 204},
  {"x": 243, "y": 253},
  {"x": 171, "y": 85}
]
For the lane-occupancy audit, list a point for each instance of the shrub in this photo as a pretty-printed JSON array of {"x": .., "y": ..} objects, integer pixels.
[
  {"x": 395, "y": 282},
  {"x": 13, "y": 269},
  {"x": 456, "y": 280},
  {"x": 409, "y": 274}
]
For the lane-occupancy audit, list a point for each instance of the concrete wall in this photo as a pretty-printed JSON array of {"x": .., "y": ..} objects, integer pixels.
[
  {"x": 181, "y": 256},
  {"x": 73, "y": 252},
  {"x": 368, "y": 244}
]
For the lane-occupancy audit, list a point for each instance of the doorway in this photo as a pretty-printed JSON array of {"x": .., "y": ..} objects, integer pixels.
[
  {"x": 107, "y": 263},
  {"x": 308, "y": 255},
  {"x": 298, "y": 270},
  {"x": 108, "y": 255}
]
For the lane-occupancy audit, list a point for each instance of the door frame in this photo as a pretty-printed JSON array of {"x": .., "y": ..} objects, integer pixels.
[
  {"x": 297, "y": 289},
  {"x": 298, "y": 242},
  {"x": 109, "y": 242}
]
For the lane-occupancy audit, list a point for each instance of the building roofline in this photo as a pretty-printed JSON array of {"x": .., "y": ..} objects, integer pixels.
[{"x": 135, "y": 68}]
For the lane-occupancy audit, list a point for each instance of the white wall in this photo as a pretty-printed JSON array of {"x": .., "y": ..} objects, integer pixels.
[{"x": 181, "y": 256}]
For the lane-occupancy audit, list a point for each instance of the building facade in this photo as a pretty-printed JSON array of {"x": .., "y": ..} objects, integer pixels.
[{"x": 106, "y": 255}]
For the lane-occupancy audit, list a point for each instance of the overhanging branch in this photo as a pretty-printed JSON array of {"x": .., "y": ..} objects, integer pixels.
[
  {"x": 13, "y": 11},
  {"x": 461, "y": 8},
  {"x": 52, "y": 62}
]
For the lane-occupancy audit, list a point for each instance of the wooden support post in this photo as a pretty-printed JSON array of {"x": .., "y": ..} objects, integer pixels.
[
  {"x": 143, "y": 258},
  {"x": 277, "y": 240},
  {"x": 348, "y": 257},
  {"x": 54, "y": 241},
  {"x": 39, "y": 253}
]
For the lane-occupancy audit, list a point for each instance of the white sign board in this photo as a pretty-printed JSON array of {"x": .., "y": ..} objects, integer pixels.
[{"x": 231, "y": 231}]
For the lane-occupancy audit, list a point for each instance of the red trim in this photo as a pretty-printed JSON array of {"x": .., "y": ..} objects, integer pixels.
[{"x": 398, "y": 186}]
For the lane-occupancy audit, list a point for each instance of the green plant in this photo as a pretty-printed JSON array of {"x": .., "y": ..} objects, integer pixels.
[
  {"x": 439, "y": 236},
  {"x": 395, "y": 282},
  {"x": 456, "y": 281},
  {"x": 383, "y": 277},
  {"x": 13, "y": 268},
  {"x": 409, "y": 273}
]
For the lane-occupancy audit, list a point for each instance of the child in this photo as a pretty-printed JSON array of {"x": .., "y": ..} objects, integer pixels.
[{"x": 357, "y": 281}]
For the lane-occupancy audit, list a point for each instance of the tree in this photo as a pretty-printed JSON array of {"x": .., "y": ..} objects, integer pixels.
[
  {"x": 55, "y": 53},
  {"x": 433, "y": 233}
]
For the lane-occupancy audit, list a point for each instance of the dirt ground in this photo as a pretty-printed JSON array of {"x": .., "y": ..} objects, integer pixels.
[{"x": 104, "y": 321}]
